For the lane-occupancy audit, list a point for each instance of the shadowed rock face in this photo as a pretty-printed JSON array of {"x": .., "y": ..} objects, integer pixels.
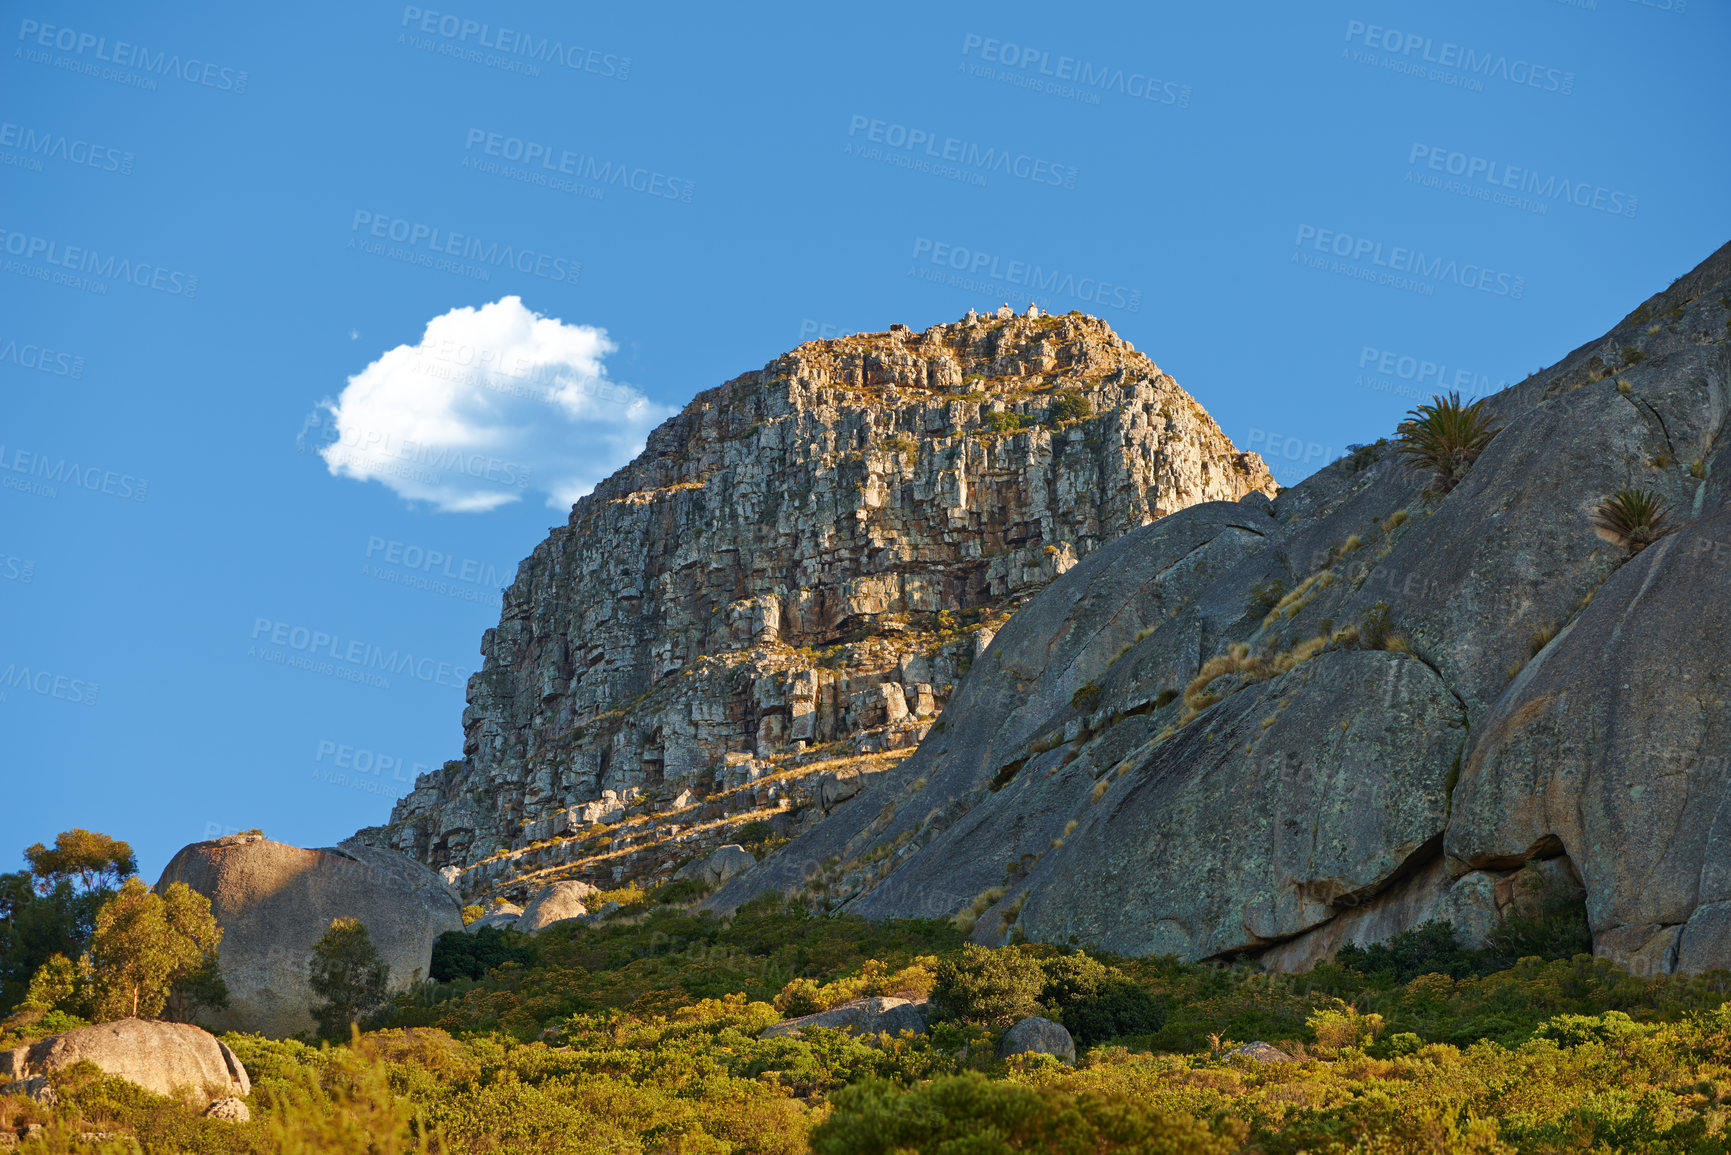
[
  {"x": 274, "y": 902},
  {"x": 797, "y": 560},
  {"x": 1161, "y": 752}
]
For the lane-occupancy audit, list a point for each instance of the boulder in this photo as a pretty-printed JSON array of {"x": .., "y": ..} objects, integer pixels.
[
  {"x": 175, "y": 1059},
  {"x": 722, "y": 864},
  {"x": 1261, "y": 1052},
  {"x": 556, "y": 902},
  {"x": 1037, "y": 1036},
  {"x": 274, "y": 902},
  {"x": 861, "y": 1017},
  {"x": 230, "y": 1110},
  {"x": 503, "y": 915}
]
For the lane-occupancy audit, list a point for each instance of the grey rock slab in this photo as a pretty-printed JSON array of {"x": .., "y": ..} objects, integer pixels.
[
  {"x": 858, "y": 1016},
  {"x": 1613, "y": 743},
  {"x": 1037, "y": 1036},
  {"x": 1234, "y": 834}
]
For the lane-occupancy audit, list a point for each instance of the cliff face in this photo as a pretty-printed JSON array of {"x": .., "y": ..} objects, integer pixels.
[
  {"x": 797, "y": 569},
  {"x": 1267, "y": 729}
]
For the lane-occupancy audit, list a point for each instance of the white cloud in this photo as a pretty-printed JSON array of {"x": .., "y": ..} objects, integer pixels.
[{"x": 493, "y": 403}]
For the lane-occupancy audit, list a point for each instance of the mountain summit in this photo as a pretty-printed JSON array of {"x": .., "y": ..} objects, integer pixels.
[{"x": 776, "y": 599}]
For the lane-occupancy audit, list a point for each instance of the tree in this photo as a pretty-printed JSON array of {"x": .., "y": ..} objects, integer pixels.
[
  {"x": 94, "y": 859},
  {"x": 51, "y": 909},
  {"x": 145, "y": 943},
  {"x": 348, "y": 974}
]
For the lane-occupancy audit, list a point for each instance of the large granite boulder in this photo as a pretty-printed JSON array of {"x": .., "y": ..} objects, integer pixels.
[
  {"x": 556, "y": 902},
  {"x": 1616, "y": 747},
  {"x": 860, "y": 1016},
  {"x": 274, "y": 902},
  {"x": 175, "y": 1059}
]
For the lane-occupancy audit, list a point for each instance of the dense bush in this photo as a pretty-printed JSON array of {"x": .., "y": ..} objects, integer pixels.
[
  {"x": 461, "y": 954},
  {"x": 993, "y": 987}
]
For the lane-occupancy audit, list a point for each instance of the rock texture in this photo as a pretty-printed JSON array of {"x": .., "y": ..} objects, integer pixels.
[
  {"x": 804, "y": 561},
  {"x": 275, "y": 901},
  {"x": 1036, "y": 1036},
  {"x": 555, "y": 902},
  {"x": 861, "y": 1017},
  {"x": 164, "y": 1058},
  {"x": 722, "y": 864},
  {"x": 1265, "y": 729}
]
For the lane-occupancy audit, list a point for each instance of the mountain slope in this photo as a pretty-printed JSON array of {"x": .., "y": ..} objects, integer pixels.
[{"x": 1267, "y": 729}]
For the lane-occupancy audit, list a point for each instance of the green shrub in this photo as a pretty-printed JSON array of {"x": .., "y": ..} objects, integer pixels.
[
  {"x": 967, "y": 1114},
  {"x": 993, "y": 987},
  {"x": 1444, "y": 438},
  {"x": 1633, "y": 518},
  {"x": 1067, "y": 405},
  {"x": 461, "y": 954},
  {"x": 1098, "y": 1002},
  {"x": 349, "y": 977},
  {"x": 1085, "y": 697},
  {"x": 1433, "y": 948},
  {"x": 1002, "y": 421}
]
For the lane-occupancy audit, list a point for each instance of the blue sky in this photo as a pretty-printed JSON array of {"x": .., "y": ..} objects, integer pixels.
[{"x": 227, "y": 232}]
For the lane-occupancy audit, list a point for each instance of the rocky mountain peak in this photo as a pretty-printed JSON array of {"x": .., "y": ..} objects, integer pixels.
[{"x": 779, "y": 594}]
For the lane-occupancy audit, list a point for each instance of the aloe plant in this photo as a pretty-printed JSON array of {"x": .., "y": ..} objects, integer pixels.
[
  {"x": 1633, "y": 518},
  {"x": 1444, "y": 438}
]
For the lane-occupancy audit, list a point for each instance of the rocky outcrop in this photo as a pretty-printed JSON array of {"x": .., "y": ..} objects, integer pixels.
[
  {"x": 808, "y": 557},
  {"x": 173, "y": 1059},
  {"x": 1265, "y": 729},
  {"x": 886, "y": 1015},
  {"x": 556, "y": 902},
  {"x": 722, "y": 864},
  {"x": 274, "y": 902},
  {"x": 1036, "y": 1036}
]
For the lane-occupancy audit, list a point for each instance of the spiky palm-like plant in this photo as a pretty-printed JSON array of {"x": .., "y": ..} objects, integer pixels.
[
  {"x": 1444, "y": 438},
  {"x": 1633, "y": 518}
]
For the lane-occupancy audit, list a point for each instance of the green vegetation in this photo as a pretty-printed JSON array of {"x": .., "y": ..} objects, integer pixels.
[
  {"x": 641, "y": 1034},
  {"x": 1002, "y": 421},
  {"x": 1633, "y": 518},
  {"x": 1067, "y": 405},
  {"x": 1444, "y": 438},
  {"x": 349, "y": 977}
]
